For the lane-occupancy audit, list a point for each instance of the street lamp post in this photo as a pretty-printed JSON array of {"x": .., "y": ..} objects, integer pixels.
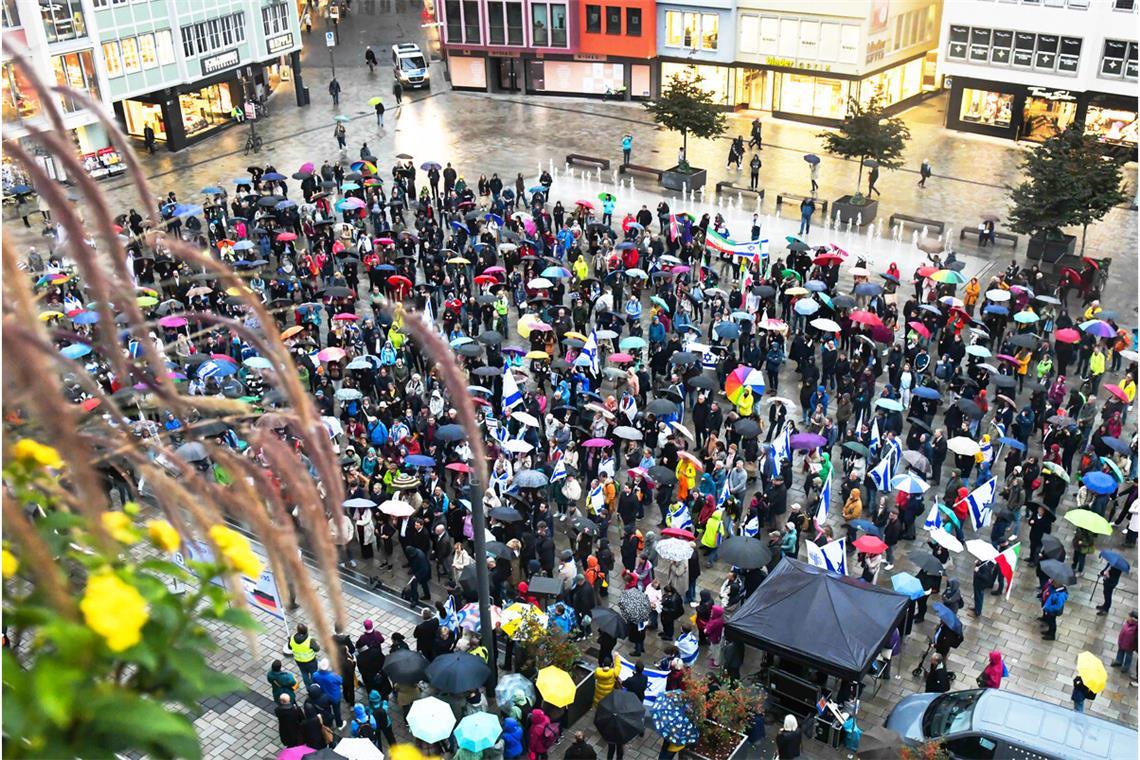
[{"x": 482, "y": 581}]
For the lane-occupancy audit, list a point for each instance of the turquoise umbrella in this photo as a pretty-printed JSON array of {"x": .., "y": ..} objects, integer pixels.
[
  {"x": 1025, "y": 317},
  {"x": 632, "y": 343},
  {"x": 905, "y": 583},
  {"x": 478, "y": 731}
]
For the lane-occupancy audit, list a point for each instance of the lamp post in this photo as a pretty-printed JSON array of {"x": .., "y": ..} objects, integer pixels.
[{"x": 482, "y": 580}]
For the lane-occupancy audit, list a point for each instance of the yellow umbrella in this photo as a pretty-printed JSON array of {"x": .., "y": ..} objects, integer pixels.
[
  {"x": 1090, "y": 669},
  {"x": 578, "y": 335},
  {"x": 518, "y": 613},
  {"x": 45, "y": 316},
  {"x": 536, "y": 355},
  {"x": 526, "y": 324},
  {"x": 797, "y": 291},
  {"x": 556, "y": 686},
  {"x": 458, "y": 260},
  {"x": 147, "y": 301},
  {"x": 1090, "y": 521}
]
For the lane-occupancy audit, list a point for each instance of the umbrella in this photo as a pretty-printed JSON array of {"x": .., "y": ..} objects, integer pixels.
[
  {"x": 807, "y": 441},
  {"x": 857, "y": 448},
  {"x": 728, "y": 330},
  {"x": 942, "y": 538},
  {"x": 870, "y": 544},
  {"x": 947, "y": 616},
  {"x": 672, "y": 719},
  {"x": 917, "y": 461},
  {"x": 450, "y": 433},
  {"x": 744, "y": 552},
  {"x": 608, "y": 621},
  {"x": 1056, "y": 470},
  {"x": 633, "y": 605},
  {"x": 505, "y": 514},
  {"x": 620, "y": 717},
  {"x": 889, "y": 404},
  {"x": 295, "y": 753},
  {"x": 964, "y": 446},
  {"x": 1090, "y": 521},
  {"x": 747, "y": 427},
  {"x": 662, "y": 475},
  {"x": 981, "y": 549},
  {"x": 909, "y": 484},
  {"x": 1117, "y": 445},
  {"x": 1052, "y": 548},
  {"x": 867, "y": 527},
  {"x": 405, "y": 666},
  {"x": 556, "y": 686},
  {"x": 519, "y": 613},
  {"x": 358, "y": 749},
  {"x": 927, "y": 563},
  {"x": 1099, "y": 482},
  {"x": 512, "y": 684},
  {"x": 1092, "y": 672},
  {"x": 1116, "y": 560},
  {"x": 1058, "y": 571},
  {"x": 675, "y": 549},
  {"x": 627, "y": 433},
  {"x": 478, "y": 731},
  {"x": 430, "y": 719},
  {"x": 826, "y": 325},
  {"x": 907, "y": 584},
  {"x": 811, "y": 158}
]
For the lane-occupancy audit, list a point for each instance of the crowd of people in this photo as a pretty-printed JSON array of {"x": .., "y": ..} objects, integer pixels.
[{"x": 628, "y": 377}]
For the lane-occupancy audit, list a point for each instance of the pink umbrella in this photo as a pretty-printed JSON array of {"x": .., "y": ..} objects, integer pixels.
[
  {"x": 295, "y": 753},
  {"x": 494, "y": 270},
  {"x": 541, "y": 327},
  {"x": 620, "y": 358},
  {"x": 344, "y": 316},
  {"x": 332, "y": 354},
  {"x": 173, "y": 321},
  {"x": 680, "y": 269},
  {"x": 223, "y": 358},
  {"x": 307, "y": 168},
  {"x": 528, "y": 225},
  {"x": 598, "y": 443},
  {"x": 385, "y": 241},
  {"x": 1007, "y": 358}
]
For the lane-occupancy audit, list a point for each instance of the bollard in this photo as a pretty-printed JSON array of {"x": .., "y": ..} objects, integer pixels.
[{"x": 615, "y": 177}]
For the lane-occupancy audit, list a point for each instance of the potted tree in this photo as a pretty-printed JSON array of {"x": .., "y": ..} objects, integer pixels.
[
  {"x": 866, "y": 133},
  {"x": 1069, "y": 182},
  {"x": 685, "y": 106},
  {"x": 724, "y": 712}
]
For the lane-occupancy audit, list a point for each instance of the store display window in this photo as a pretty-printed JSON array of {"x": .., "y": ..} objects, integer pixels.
[
  {"x": 76, "y": 71},
  {"x": 1045, "y": 117},
  {"x": 139, "y": 115},
  {"x": 19, "y": 99},
  {"x": 992, "y": 109},
  {"x": 1115, "y": 126},
  {"x": 806, "y": 95},
  {"x": 205, "y": 108}
]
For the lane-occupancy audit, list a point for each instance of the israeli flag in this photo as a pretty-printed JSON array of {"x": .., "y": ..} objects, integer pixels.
[
  {"x": 607, "y": 466},
  {"x": 824, "y": 501},
  {"x": 560, "y": 472},
  {"x": 590, "y": 350},
  {"x": 501, "y": 479},
  {"x": 450, "y": 619},
  {"x": 881, "y": 475},
  {"x": 502, "y": 435},
  {"x": 835, "y": 555},
  {"x": 399, "y": 432},
  {"x": 875, "y": 437},
  {"x": 980, "y": 500},
  {"x": 987, "y": 451},
  {"x": 512, "y": 396},
  {"x": 998, "y": 428},
  {"x": 859, "y": 424},
  {"x": 752, "y": 527},
  {"x": 722, "y": 497},
  {"x": 628, "y": 406},
  {"x": 680, "y": 518},
  {"x": 934, "y": 518},
  {"x": 596, "y": 498},
  {"x": 896, "y": 451},
  {"x": 783, "y": 446},
  {"x": 656, "y": 679},
  {"x": 688, "y": 648}
]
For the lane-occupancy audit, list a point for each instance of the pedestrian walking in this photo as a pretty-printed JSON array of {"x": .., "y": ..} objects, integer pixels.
[
  {"x": 626, "y": 147},
  {"x": 1052, "y": 607},
  {"x": 341, "y": 135},
  {"x": 148, "y": 138},
  {"x": 924, "y": 172},
  {"x": 755, "y": 141},
  {"x": 334, "y": 91},
  {"x": 807, "y": 208},
  {"x": 398, "y": 91},
  {"x": 304, "y": 651},
  {"x": 814, "y": 178},
  {"x": 1126, "y": 643},
  {"x": 788, "y": 741},
  {"x": 379, "y": 113},
  {"x": 369, "y": 58},
  {"x": 872, "y": 178},
  {"x": 1081, "y": 694},
  {"x": 754, "y": 171},
  {"x": 1110, "y": 577}
]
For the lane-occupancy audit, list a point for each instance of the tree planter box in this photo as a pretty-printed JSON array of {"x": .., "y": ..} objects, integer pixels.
[
  {"x": 734, "y": 752},
  {"x": 694, "y": 179},
  {"x": 1050, "y": 251},
  {"x": 846, "y": 210},
  {"x": 583, "y": 695}
]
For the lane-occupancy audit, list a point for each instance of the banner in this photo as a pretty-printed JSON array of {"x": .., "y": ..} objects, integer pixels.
[
  {"x": 260, "y": 593},
  {"x": 831, "y": 557},
  {"x": 656, "y": 679},
  {"x": 980, "y": 500}
]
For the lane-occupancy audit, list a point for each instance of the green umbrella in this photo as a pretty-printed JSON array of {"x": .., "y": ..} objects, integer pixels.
[
  {"x": 1090, "y": 521},
  {"x": 632, "y": 343},
  {"x": 858, "y": 448},
  {"x": 792, "y": 273},
  {"x": 1057, "y": 470},
  {"x": 606, "y": 197},
  {"x": 374, "y": 101},
  {"x": 660, "y": 302},
  {"x": 950, "y": 515},
  {"x": 1112, "y": 466},
  {"x": 341, "y": 118}
]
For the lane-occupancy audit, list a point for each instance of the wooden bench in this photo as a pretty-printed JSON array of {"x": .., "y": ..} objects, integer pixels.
[
  {"x": 820, "y": 205},
  {"x": 628, "y": 168},
  {"x": 726, "y": 186},
  {"x": 1008, "y": 237},
  {"x": 918, "y": 221},
  {"x": 578, "y": 158}
]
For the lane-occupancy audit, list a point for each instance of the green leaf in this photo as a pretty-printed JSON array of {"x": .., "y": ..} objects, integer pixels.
[
  {"x": 130, "y": 722},
  {"x": 165, "y": 567},
  {"x": 55, "y": 682}
]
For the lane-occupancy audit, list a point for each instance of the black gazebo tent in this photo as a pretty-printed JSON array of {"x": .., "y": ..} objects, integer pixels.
[{"x": 832, "y": 623}]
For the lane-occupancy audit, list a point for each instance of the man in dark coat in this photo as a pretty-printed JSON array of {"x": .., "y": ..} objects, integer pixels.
[
  {"x": 425, "y": 632},
  {"x": 421, "y": 573},
  {"x": 582, "y": 596},
  {"x": 629, "y": 549},
  {"x": 290, "y": 716}
]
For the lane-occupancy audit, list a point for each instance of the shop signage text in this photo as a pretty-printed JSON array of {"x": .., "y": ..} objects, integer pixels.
[
  {"x": 596, "y": 57},
  {"x": 505, "y": 54},
  {"x": 279, "y": 43},
  {"x": 1041, "y": 92},
  {"x": 220, "y": 62},
  {"x": 793, "y": 63},
  {"x": 876, "y": 51}
]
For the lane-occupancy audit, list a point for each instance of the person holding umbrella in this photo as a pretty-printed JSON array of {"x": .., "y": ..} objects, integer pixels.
[
  {"x": 1052, "y": 607},
  {"x": 1111, "y": 576}
]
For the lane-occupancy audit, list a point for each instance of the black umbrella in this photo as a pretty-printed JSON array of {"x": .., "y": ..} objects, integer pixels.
[
  {"x": 490, "y": 337},
  {"x": 969, "y": 408},
  {"x": 744, "y": 552},
  {"x": 915, "y": 421},
  {"x": 487, "y": 371},
  {"x": 843, "y": 301},
  {"x": 1025, "y": 340},
  {"x": 747, "y": 427},
  {"x": 684, "y": 357},
  {"x": 702, "y": 381},
  {"x": 469, "y": 349},
  {"x": 671, "y": 395},
  {"x": 457, "y": 672},
  {"x": 505, "y": 514},
  {"x": 927, "y": 563},
  {"x": 499, "y": 550},
  {"x": 661, "y": 406},
  {"x": 620, "y": 717},
  {"x": 608, "y": 621},
  {"x": 662, "y": 475},
  {"x": 586, "y": 525},
  {"x": 1058, "y": 571},
  {"x": 1004, "y": 381},
  {"x": 633, "y": 605},
  {"x": 405, "y": 666}
]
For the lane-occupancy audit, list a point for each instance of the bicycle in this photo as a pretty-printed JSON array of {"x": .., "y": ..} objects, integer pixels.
[{"x": 253, "y": 142}]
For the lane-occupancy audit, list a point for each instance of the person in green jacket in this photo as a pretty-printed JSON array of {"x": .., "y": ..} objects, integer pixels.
[
  {"x": 788, "y": 541},
  {"x": 282, "y": 682},
  {"x": 713, "y": 534}
]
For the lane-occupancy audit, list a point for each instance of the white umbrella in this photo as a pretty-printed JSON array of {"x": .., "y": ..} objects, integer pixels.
[
  {"x": 397, "y": 508},
  {"x": 983, "y": 550},
  {"x": 678, "y": 427},
  {"x": 594, "y": 407},
  {"x": 675, "y": 549},
  {"x": 942, "y": 538},
  {"x": 787, "y": 402},
  {"x": 518, "y": 446},
  {"x": 524, "y": 418},
  {"x": 825, "y": 324},
  {"x": 997, "y": 295},
  {"x": 967, "y": 447},
  {"x": 431, "y": 720},
  {"x": 538, "y": 283},
  {"x": 358, "y": 749}
]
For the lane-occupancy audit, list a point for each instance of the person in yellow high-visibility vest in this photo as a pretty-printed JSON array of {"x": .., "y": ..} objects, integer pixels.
[
  {"x": 304, "y": 651},
  {"x": 686, "y": 473}
]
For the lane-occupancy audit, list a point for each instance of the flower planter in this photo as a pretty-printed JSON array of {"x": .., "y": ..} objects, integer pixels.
[
  {"x": 675, "y": 179},
  {"x": 861, "y": 214},
  {"x": 734, "y": 751},
  {"x": 583, "y": 695},
  {"x": 1049, "y": 251}
]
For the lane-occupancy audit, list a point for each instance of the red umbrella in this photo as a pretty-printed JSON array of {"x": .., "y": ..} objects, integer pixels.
[
  {"x": 286, "y": 237},
  {"x": 678, "y": 533},
  {"x": 1115, "y": 390},
  {"x": 1073, "y": 275},
  {"x": 920, "y": 328},
  {"x": 1091, "y": 262},
  {"x": 399, "y": 281},
  {"x": 1067, "y": 335},
  {"x": 865, "y": 318},
  {"x": 827, "y": 259},
  {"x": 90, "y": 403},
  {"x": 384, "y": 241},
  {"x": 584, "y": 204},
  {"x": 926, "y": 271},
  {"x": 459, "y": 467},
  {"x": 485, "y": 279},
  {"x": 870, "y": 544},
  {"x": 344, "y": 316},
  {"x": 882, "y": 334}
]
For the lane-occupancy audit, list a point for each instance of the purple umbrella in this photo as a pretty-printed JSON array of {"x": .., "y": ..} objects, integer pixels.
[
  {"x": 807, "y": 441},
  {"x": 295, "y": 753},
  {"x": 1099, "y": 328},
  {"x": 597, "y": 443}
]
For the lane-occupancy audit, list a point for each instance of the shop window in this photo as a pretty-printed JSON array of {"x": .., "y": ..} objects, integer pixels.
[
  {"x": 76, "y": 71},
  {"x": 594, "y": 19},
  {"x": 63, "y": 20},
  {"x": 710, "y": 31},
  {"x": 471, "y": 32},
  {"x": 633, "y": 22},
  {"x": 19, "y": 99},
  {"x": 674, "y": 29},
  {"x": 613, "y": 20},
  {"x": 1047, "y": 117},
  {"x": 205, "y": 108},
  {"x": 991, "y": 109},
  {"x": 147, "y": 53},
  {"x": 454, "y": 21},
  {"x": 717, "y": 81},
  {"x": 112, "y": 60},
  {"x": 1115, "y": 126},
  {"x": 164, "y": 44},
  {"x": 130, "y": 55},
  {"x": 139, "y": 115}
]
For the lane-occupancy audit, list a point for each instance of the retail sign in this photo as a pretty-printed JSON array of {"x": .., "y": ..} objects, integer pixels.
[
  {"x": 330, "y": 39},
  {"x": 1047, "y": 94},
  {"x": 505, "y": 54},
  {"x": 279, "y": 43},
  {"x": 594, "y": 57},
  {"x": 788, "y": 63},
  {"x": 220, "y": 62},
  {"x": 877, "y": 50},
  {"x": 793, "y": 63}
]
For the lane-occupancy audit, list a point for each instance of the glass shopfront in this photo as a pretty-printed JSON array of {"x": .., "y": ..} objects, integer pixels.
[
  {"x": 19, "y": 99},
  {"x": 580, "y": 77},
  {"x": 467, "y": 71},
  {"x": 893, "y": 85},
  {"x": 807, "y": 95},
  {"x": 1113, "y": 126},
  {"x": 716, "y": 80},
  {"x": 138, "y": 115},
  {"x": 1045, "y": 117},
  {"x": 993, "y": 109},
  {"x": 205, "y": 108},
  {"x": 77, "y": 72}
]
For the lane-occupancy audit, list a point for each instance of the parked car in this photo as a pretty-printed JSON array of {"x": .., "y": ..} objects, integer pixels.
[
  {"x": 990, "y": 723},
  {"x": 409, "y": 66}
]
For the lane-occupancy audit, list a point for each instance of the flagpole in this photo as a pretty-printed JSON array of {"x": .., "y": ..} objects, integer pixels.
[{"x": 482, "y": 580}]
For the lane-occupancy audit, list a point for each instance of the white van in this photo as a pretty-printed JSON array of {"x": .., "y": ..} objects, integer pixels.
[{"x": 409, "y": 66}]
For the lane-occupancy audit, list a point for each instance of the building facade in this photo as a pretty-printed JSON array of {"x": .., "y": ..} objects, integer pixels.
[
  {"x": 178, "y": 67},
  {"x": 1027, "y": 70}
]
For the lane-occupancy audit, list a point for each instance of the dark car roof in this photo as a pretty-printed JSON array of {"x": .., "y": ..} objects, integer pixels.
[{"x": 1051, "y": 728}]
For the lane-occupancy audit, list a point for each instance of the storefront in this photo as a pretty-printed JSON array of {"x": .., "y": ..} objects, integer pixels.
[
  {"x": 1113, "y": 119},
  {"x": 719, "y": 81},
  {"x": 582, "y": 74}
]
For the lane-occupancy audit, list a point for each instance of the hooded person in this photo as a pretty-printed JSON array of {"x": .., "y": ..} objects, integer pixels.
[
  {"x": 952, "y": 596},
  {"x": 512, "y": 739},
  {"x": 542, "y": 735},
  {"x": 363, "y": 725},
  {"x": 606, "y": 677},
  {"x": 714, "y": 632},
  {"x": 318, "y": 714},
  {"x": 992, "y": 674}
]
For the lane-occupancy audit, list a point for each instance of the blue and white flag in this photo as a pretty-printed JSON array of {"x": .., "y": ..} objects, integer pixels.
[
  {"x": 896, "y": 451},
  {"x": 980, "y": 501},
  {"x": 628, "y": 406},
  {"x": 656, "y": 679},
  {"x": 934, "y": 518},
  {"x": 783, "y": 446},
  {"x": 560, "y": 472},
  {"x": 875, "y": 437},
  {"x": 502, "y": 435},
  {"x": 831, "y": 557},
  {"x": 752, "y": 527},
  {"x": 824, "y": 501},
  {"x": 607, "y": 466},
  {"x": 859, "y": 425},
  {"x": 688, "y": 647},
  {"x": 680, "y": 518},
  {"x": 590, "y": 350},
  {"x": 596, "y": 499},
  {"x": 987, "y": 451},
  {"x": 722, "y": 497},
  {"x": 450, "y": 619},
  {"x": 512, "y": 396},
  {"x": 399, "y": 432},
  {"x": 881, "y": 474}
]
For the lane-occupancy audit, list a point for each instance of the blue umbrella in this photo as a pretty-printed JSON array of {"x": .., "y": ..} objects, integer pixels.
[
  {"x": 867, "y": 527},
  {"x": 909, "y": 484},
  {"x": 493, "y": 218},
  {"x": 995, "y": 309},
  {"x": 20, "y": 189},
  {"x": 806, "y": 307},
  {"x": 811, "y": 158},
  {"x": 672, "y": 720},
  {"x": 216, "y": 369},
  {"x": 508, "y": 193},
  {"x": 478, "y": 731},
  {"x": 187, "y": 209},
  {"x": 75, "y": 350},
  {"x": 625, "y": 246},
  {"x": 905, "y": 583},
  {"x": 947, "y": 616},
  {"x": 1099, "y": 482},
  {"x": 274, "y": 177},
  {"x": 211, "y": 190},
  {"x": 815, "y": 286},
  {"x": 728, "y": 330},
  {"x": 1117, "y": 445},
  {"x": 282, "y": 205},
  {"x": 1013, "y": 443},
  {"x": 923, "y": 391},
  {"x": 243, "y": 181},
  {"x": 419, "y": 460},
  {"x": 868, "y": 289},
  {"x": 243, "y": 245},
  {"x": 427, "y": 166},
  {"x": 1115, "y": 560},
  {"x": 536, "y": 189},
  {"x": 458, "y": 225},
  {"x": 86, "y": 318}
]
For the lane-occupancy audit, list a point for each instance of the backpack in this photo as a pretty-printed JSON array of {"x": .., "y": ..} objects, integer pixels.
[{"x": 550, "y": 733}]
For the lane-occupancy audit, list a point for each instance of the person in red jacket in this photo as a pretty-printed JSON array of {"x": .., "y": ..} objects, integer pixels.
[
  {"x": 1126, "y": 643},
  {"x": 542, "y": 736}
]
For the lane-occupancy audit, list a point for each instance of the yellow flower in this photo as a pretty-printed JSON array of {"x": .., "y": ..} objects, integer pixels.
[
  {"x": 114, "y": 609},
  {"x": 120, "y": 527},
  {"x": 163, "y": 535},
  {"x": 10, "y": 564},
  {"x": 235, "y": 548},
  {"x": 36, "y": 454}
]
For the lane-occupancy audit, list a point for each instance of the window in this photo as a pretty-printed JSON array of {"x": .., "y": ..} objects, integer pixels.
[
  {"x": 504, "y": 22},
  {"x": 769, "y": 35},
  {"x": 698, "y": 31},
  {"x": 1002, "y": 47},
  {"x": 496, "y": 24},
  {"x": 17, "y": 98},
  {"x": 147, "y": 53},
  {"x": 828, "y": 42},
  {"x": 849, "y": 44},
  {"x": 454, "y": 21},
  {"x": 207, "y": 36},
  {"x": 972, "y": 746},
  {"x": 548, "y": 24},
  {"x": 63, "y": 20},
  {"x": 471, "y": 31},
  {"x": 239, "y": 27},
  {"x": 749, "y": 34},
  {"x": 77, "y": 71},
  {"x": 613, "y": 20},
  {"x": 1124, "y": 5},
  {"x": 788, "y": 40},
  {"x": 227, "y": 31},
  {"x": 130, "y": 55},
  {"x": 215, "y": 33},
  {"x": 594, "y": 19},
  {"x": 558, "y": 26},
  {"x": 540, "y": 25},
  {"x": 164, "y": 44},
  {"x": 809, "y": 40},
  {"x": 633, "y": 22},
  {"x": 674, "y": 26},
  {"x": 514, "y": 23},
  {"x": 10, "y": 14},
  {"x": 1119, "y": 59},
  {"x": 991, "y": 109},
  {"x": 710, "y": 30},
  {"x": 111, "y": 58},
  {"x": 187, "y": 35},
  {"x": 275, "y": 19}
]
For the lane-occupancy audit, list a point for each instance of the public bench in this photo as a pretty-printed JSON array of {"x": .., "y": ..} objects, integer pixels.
[
  {"x": 820, "y": 204},
  {"x": 933, "y": 225},
  {"x": 725, "y": 185},
  {"x": 1008, "y": 237},
  {"x": 578, "y": 158},
  {"x": 638, "y": 168}
]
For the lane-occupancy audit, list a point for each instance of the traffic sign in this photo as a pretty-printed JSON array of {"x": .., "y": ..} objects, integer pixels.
[{"x": 330, "y": 39}]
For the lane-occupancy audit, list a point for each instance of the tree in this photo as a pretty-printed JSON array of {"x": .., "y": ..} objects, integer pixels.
[
  {"x": 866, "y": 132},
  {"x": 687, "y": 107},
  {"x": 1070, "y": 181}
]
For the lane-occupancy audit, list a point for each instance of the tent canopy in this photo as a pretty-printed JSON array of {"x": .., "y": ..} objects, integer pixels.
[{"x": 836, "y": 623}]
